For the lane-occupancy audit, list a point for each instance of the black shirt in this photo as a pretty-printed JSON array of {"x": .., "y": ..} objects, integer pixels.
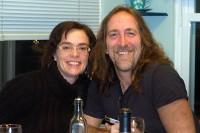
[{"x": 161, "y": 85}]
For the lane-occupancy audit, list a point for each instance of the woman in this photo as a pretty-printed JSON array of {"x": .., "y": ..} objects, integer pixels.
[{"x": 42, "y": 101}]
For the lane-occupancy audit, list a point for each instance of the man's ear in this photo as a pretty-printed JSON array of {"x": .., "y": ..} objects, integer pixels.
[{"x": 106, "y": 51}]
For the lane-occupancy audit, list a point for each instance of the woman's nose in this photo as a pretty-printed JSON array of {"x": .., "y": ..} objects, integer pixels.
[{"x": 74, "y": 51}]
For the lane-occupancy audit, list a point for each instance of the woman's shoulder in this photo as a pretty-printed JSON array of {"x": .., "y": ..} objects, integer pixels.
[
  {"x": 29, "y": 75},
  {"x": 25, "y": 79}
]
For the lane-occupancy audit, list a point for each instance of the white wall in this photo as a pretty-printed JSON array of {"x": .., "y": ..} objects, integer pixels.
[
  {"x": 107, "y": 5},
  {"x": 163, "y": 26}
]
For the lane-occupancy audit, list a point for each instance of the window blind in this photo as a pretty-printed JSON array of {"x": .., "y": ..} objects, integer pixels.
[{"x": 35, "y": 19}]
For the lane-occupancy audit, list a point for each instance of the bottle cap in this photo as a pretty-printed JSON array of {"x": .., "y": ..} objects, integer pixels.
[{"x": 125, "y": 120}]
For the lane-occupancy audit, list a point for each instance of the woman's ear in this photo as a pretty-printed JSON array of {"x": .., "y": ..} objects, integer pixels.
[{"x": 54, "y": 57}]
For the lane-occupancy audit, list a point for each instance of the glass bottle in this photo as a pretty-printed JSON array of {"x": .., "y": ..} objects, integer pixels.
[
  {"x": 78, "y": 123},
  {"x": 125, "y": 120}
]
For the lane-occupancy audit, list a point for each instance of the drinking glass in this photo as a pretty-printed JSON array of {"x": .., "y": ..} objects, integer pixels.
[
  {"x": 10, "y": 128},
  {"x": 137, "y": 125}
]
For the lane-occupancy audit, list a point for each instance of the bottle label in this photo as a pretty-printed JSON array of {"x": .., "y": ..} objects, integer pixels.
[{"x": 78, "y": 128}]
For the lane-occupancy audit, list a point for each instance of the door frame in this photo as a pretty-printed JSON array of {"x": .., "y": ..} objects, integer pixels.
[{"x": 184, "y": 60}]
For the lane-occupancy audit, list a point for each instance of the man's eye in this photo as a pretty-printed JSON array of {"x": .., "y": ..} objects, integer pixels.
[
  {"x": 113, "y": 35},
  {"x": 130, "y": 33}
]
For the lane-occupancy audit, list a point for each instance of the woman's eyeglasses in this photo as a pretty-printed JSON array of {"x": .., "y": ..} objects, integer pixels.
[{"x": 70, "y": 48}]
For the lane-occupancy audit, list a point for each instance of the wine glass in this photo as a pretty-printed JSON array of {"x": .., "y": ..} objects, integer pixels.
[
  {"x": 137, "y": 125},
  {"x": 10, "y": 128}
]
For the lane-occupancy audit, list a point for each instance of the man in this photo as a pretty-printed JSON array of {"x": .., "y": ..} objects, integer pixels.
[{"x": 131, "y": 70}]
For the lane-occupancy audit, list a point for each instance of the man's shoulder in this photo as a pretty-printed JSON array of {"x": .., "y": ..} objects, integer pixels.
[
  {"x": 155, "y": 66},
  {"x": 157, "y": 70}
]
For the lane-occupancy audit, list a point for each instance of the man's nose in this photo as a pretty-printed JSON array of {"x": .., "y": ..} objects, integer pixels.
[{"x": 122, "y": 40}]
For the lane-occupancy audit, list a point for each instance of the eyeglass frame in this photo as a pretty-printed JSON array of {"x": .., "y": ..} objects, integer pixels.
[{"x": 69, "y": 47}]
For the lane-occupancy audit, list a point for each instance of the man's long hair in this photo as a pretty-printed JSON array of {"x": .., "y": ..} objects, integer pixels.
[{"x": 103, "y": 69}]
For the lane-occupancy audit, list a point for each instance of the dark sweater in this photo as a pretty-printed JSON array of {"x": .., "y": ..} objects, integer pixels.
[{"x": 41, "y": 101}]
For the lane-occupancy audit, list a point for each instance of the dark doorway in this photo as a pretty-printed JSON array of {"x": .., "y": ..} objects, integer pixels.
[{"x": 197, "y": 64}]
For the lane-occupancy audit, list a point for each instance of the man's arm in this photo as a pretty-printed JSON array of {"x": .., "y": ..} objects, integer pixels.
[
  {"x": 92, "y": 120},
  {"x": 113, "y": 129},
  {"x": 177, "y": 117},
  {"x": 92, "y": 129},
  {"x": 93, "y": 125}
]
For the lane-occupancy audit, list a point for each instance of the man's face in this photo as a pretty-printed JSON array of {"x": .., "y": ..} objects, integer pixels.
[{"x": 123, "y": 41}]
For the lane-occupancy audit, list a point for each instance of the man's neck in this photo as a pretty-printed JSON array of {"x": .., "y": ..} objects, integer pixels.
[{"x": 125, "y": 80}]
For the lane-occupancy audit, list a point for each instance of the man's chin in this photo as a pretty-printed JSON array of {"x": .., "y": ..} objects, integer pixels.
[{"x": 123, "y": 68}]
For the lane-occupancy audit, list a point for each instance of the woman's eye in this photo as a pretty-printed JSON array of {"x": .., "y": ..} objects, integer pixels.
[
  {"x": 66, "y": 47},
  {"x": 83, "y": 48}
]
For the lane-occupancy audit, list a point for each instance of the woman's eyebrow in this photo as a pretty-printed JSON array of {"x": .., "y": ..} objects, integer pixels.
[
  {"x": 69, "y": 43},
  {"x": 83, "y": 44},
  {"x": 65, "y": 43}
]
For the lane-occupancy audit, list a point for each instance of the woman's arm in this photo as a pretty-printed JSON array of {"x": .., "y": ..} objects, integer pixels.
[{"x": 16, "y": 99}]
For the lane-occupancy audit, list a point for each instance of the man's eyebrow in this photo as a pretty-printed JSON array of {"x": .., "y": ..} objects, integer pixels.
[
  {"x": 112, "y": 30},
  {"x": 131, "y": 29},
  {"x": 128, "y": 29}
]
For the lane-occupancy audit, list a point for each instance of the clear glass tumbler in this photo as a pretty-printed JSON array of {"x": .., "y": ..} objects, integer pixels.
[
  {"x": 10, "y": 128},
  {"x": 137, "y": 125}
]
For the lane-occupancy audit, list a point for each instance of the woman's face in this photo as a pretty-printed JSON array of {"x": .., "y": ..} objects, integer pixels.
[{"x": 72, "y": 54}]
